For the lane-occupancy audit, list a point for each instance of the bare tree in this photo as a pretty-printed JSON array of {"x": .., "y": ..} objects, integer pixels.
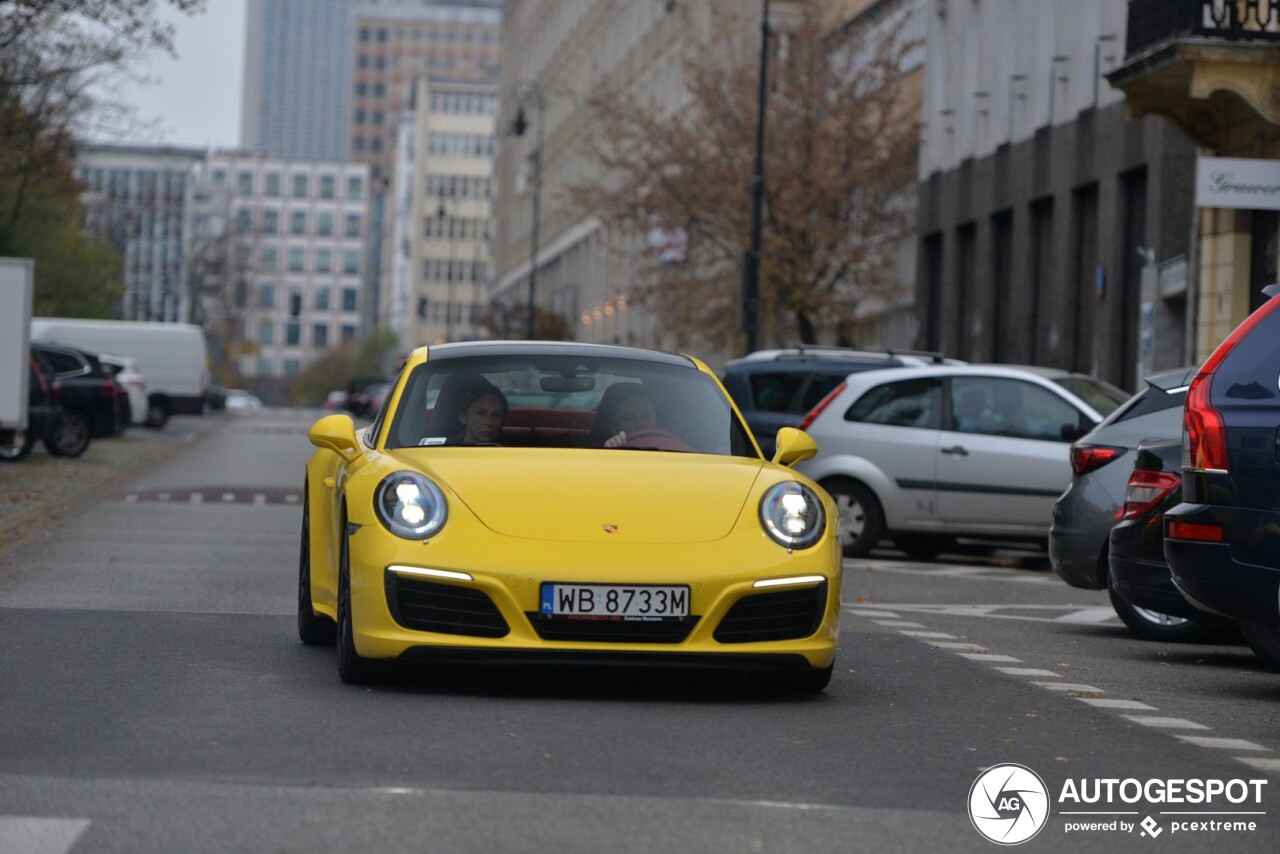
[{"x": 840, "y": 156}]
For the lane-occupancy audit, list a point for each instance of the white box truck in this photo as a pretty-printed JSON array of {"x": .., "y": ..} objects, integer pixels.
[
  {"x": 171, "y": 356},
  {"x": 16, "y": 275}
]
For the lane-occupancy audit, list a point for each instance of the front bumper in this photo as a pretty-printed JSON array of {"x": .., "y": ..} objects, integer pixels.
[{"x": 495, "y": 614}]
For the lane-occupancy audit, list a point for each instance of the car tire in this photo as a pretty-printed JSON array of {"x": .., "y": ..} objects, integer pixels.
[
  {"x": 21, "y": 450},
  {"x": 861, "y": 519},
  {"x": 924, "y": 546},
  {"x": 157, "y": 413},
  {"x": 806, "y": 681},
  {"x": 1264, "y": 640},
  {"x": 1154, "y": 626},
  {"x": 69, "y": 434},
  {"x": 313, "y": 629},
  {"x": 352, "y": 668}
]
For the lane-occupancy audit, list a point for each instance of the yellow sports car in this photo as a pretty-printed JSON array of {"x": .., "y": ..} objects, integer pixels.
[{"x": 564, "y": 502}]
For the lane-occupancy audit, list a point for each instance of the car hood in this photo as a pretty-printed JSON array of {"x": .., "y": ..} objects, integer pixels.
[{"x": 586, "y": 495}]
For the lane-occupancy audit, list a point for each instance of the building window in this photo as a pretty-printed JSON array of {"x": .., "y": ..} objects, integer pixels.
[
  {"x": 267, "y": 295},
  {"x": 324, "y": 260},
  {"x": 353, "y": 225},
  {"x": 292, "y": 334},
  {"x": 349, "y": 299},
  {"x": 351, "y": 261},
  {"x": 266, "y": 366},
  {"x": 324, "y": 223},
  {"x": 244, "y": 184},
  {"x": 244, "y": 221},
  {"x": 270, "y": 222},
  {"x": 268, "y": 260},
  {"x": 290, "y": 367},
  {"x": 300, "y": 185},
  {"x": 297, "y": 259},
  {"x": 273, "y": 185},
  {"x": 266, "y": 332},
  {"x": 322, "y": 299},
  {"x": 320, "y": 335},
  {"x": 297, "y": 222},
  {"x": 326, "y": 186},
  {"x": 219, "y": 177},
  {"x": 348, "y": 333}
]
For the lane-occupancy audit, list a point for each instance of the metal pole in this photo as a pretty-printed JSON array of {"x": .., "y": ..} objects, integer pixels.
[
  {"x": 751, "y": 261},
  {"x": 537, "y": 205}
]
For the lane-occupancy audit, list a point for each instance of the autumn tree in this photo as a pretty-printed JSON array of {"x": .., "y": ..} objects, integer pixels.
[
  {"x": 509, "y": 319},
  {"x": 839, "y": 167},
  {"x": 58, "y": 60}
]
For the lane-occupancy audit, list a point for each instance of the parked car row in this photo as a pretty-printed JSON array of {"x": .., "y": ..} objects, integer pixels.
[{"x": 75, "y": 396}]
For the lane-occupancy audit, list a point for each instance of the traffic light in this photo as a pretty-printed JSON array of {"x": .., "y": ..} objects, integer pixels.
[{"x": 422, "y": 307}]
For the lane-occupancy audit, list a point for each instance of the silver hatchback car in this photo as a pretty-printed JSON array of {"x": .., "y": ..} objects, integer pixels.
[{"x": 928, "y": 454}]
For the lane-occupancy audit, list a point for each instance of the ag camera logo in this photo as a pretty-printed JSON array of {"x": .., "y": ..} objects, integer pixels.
[{"x": 1008, "y": 804}]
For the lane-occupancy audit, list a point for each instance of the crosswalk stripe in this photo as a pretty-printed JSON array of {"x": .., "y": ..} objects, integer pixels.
[{"x": 40, "y": 835}]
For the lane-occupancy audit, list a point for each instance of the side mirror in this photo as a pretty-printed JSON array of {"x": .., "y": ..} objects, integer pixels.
[
  {"x": 336, "y": 432},
  {"x": 794, "y": 446}
]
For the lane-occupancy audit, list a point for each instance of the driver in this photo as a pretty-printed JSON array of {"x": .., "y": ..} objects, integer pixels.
[{"x": 634, "y": 414}]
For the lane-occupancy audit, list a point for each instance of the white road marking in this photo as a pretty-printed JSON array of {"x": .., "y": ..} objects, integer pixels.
[
  {"x": 1070, "y": 686},
  {"x": 1089, "y": 615},
  {"x": 1222, "y": 743},
  {"x": 967, "y": 647},
  {"x": 164, "y": 496},
  {"x": 259, "y": 499},
  {"x": 228, "y": 496},
  {"x": 982, "y": 656},
  {"x": 1261, "y": 764},
  {"x": 1164, "y": 723},
  {"x": 867, "y": 612},
  {"x": 40, "y": 835},
  {"x": 899, "y": 624},
  {"x": 291, "y": 499},
  {"x": 197, "y": 498},
  {"x": 911, "y": 633},
  {"x": 1109, "y": 703},
  {"x": 1026, "y": 671},
  {"x": 131, "y": 499}
]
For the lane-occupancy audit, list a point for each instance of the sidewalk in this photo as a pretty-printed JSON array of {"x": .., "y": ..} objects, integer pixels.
[{"x": 38, "y": 490}]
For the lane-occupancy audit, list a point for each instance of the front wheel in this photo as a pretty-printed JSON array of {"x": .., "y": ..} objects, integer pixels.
[
  {"x": 313, "y": 629},
  {"x": 69, "y": 435},
  {"x": 9, "y": 453},
  {"x": 1264, "y": 640},
  {"x": 157, "y": 413},
  {"x": 861, "y": 520},
  {"x": 352, "y": 668}
]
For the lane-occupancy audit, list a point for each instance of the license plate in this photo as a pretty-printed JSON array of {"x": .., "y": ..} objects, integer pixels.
[{"x": 615, "y": 601}]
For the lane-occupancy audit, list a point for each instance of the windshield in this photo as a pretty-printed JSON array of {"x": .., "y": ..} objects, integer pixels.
[
  {"x": 565, "y": 402},
  {"x": 1103, "y": 397}
]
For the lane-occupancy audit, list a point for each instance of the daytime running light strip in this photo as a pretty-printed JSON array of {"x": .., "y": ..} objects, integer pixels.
[
  {"x": 431, "y": 573},
  {"x": 778, "y": 582}
]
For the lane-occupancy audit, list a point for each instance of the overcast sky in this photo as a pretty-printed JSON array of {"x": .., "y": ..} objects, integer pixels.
[{"x": 197, "y": 99}]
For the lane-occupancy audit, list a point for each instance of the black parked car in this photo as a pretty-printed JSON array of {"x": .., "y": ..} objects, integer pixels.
[
  {"x": 65, "y": 437},
  {"x": 1223, "y": 541},
  {"x": 776, "y": 388},
  {"x": 85, "y": 389},
  {"x": 1139, "y": 573}
]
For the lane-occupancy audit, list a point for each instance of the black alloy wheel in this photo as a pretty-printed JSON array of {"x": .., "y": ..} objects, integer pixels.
[
  {"x": 69, "y": 434},
  {"x": 352, "y": 669},
  {"x": 157, "y": 413},
  {"x": 1154, "y": 626},
  {"x": 313, "y": 629},
  {"x": 17, "y": 452}
]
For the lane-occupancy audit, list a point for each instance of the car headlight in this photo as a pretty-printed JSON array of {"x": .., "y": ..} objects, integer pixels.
[
  {"x": 410, "y": 505},
  {"x": 792, "y": 515}
]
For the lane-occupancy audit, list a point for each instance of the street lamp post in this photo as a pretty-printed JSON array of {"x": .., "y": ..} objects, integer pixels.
[
  {"x": 443, "y": 213},
  {"x": 751, "y": 260},
  {"x": 528, "y": 91}
]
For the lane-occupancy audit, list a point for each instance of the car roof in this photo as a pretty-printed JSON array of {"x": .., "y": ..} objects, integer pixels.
[
  {"x": 974, "y": 369},
  {"x": 835, "y": 355},
  {"x": 467, "y": 349}
]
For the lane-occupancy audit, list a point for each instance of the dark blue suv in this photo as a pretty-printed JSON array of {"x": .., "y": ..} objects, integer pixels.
[{"x": 1223, "y": 541}]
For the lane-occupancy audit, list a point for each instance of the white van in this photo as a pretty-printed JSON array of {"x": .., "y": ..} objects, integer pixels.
[{"x": 171, "y": 356}]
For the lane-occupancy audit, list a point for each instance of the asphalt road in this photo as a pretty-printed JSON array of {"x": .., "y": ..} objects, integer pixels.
[{"x": 155, "y": 699}]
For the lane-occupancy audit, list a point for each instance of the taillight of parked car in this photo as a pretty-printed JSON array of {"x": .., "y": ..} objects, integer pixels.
[
  {"x": 1204, "y": 434},
  {"x": 822, "y": 404},
  {"x": 111, "y": 388},
  {"x": 1087, "y": 458},
  {"x": 1146, "y": 489}
]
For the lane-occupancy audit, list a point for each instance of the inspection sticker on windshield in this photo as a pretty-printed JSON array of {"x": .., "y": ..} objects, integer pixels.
[{"x": 615, "y": 601}]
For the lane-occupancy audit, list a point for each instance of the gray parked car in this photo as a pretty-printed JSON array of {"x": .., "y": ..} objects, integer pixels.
[
  {"x": 1101, "y": 463},
  {"x": 924, "y": 455}
]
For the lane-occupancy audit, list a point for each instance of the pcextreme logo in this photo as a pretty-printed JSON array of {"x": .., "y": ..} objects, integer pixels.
[{"x": 1008, "y": 804}]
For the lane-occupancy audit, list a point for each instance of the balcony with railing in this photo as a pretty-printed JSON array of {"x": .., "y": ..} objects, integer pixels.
[
  {"x": 1211, "y": 66},
  {"x": 1156, "y": 22}
]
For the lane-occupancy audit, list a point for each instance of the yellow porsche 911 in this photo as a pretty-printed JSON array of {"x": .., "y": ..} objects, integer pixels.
[{"x": 565, "y": 502}]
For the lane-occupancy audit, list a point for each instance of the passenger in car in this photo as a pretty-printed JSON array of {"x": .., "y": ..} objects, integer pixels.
[{"x": 470, "y": 409}]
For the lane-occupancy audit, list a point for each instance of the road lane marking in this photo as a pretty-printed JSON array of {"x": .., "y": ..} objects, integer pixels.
[
  {"x": 967, "y": 647},
  {"x": 1164, "y": 723},
  {"x": 1070, "y": 686},
  {"x": 989, "y": 657},
  {"x": 1089, "y": 615},
  {"x": 866, "y": 612},
  {"x": 196, "y": 498},
  {"x": 911, "y": 633},
  {"x": 899, "y": 624},
  {"x": 1261, "y": 764},
  {"x": 40, "y": 835},
  {"x": 1026, "y": 671},
  {"x": 1028, "y": 613},
  {"x": 1110, "y": 703},
  {"x": 1222, "y": 743}
]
